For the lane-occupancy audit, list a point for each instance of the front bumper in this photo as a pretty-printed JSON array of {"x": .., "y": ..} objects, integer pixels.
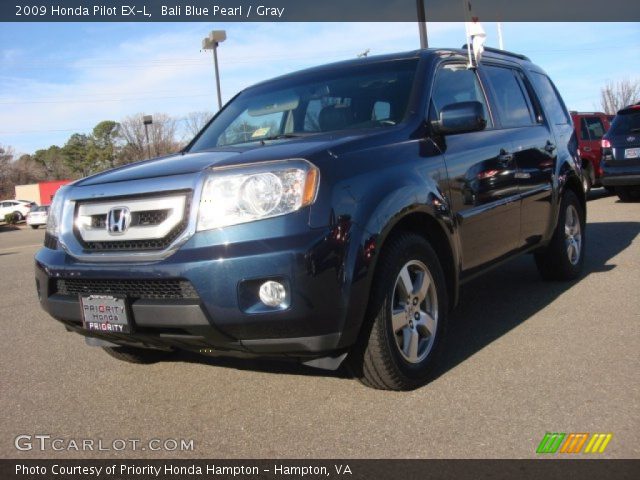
[{"x": 319, "y": 320}]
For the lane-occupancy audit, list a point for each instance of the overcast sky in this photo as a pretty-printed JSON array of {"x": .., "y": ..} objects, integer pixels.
[{"x": 57, "y": 79}]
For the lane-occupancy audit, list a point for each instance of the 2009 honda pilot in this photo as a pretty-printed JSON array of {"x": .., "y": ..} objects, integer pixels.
[{"x": 327, "y": 214}]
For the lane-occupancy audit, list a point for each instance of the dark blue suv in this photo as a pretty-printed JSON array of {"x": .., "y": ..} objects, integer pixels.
[
  {"x": 327, "y": 214},
  {"x": 621, "y": 154}
]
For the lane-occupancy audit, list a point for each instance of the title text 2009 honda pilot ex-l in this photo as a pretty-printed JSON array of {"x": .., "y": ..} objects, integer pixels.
[{"x": 327, "y": 214}]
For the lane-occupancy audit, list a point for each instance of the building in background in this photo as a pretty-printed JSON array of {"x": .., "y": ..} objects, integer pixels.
[{"x": 42, "y": 193}]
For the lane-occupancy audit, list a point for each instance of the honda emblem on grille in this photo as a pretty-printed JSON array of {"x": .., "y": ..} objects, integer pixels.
[{"x": 118, "y": 220}]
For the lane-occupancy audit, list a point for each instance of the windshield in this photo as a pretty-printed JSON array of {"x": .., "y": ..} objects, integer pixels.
[
  {"x": 360, "y": 97},
  {"x": 625, "y": 123}
]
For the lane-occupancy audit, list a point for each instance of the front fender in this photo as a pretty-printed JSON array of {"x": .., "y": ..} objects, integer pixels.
[{"x": 378, "y": 213}]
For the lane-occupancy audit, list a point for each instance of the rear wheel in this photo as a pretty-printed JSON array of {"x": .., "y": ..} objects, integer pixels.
[
  {"x": 35, "y": 226},
  {"x": 138, "y": 355},
  {"x": 587, "y": 181},
  {"x": 406, "y": 317},
  {"x": 628, "y": 194},
  {"x": 563, "y": 258}
]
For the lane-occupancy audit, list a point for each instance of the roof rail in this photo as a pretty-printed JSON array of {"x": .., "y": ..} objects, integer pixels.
[
  {"x": 576, "y": 112},
  {"x": 503, "y": 52}
]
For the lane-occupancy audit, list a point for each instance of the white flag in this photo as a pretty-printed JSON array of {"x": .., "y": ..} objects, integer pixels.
[{"x": 477, "y": 38}]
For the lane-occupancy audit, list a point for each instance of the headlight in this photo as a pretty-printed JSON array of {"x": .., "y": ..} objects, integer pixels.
[
  {"x": 233, "y": 195},
  {"x": 55, "y": 213}
]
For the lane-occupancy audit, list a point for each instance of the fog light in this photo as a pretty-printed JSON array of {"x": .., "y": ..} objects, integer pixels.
[{"x": 272, "y": 294}]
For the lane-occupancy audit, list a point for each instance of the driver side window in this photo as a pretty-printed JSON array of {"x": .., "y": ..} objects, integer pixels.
[{"x": 456, "y": 83}]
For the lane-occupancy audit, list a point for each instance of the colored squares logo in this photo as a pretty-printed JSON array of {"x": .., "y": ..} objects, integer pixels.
[{"x": 574, "y": 443}]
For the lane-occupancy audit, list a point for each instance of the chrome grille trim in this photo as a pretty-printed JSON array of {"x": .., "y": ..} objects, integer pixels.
[
  {"x": 90, "y": 213},
  {"x": 190, "y": 183}
]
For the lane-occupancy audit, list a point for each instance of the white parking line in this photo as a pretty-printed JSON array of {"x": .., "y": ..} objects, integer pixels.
[{"x": 19, "y": 247}]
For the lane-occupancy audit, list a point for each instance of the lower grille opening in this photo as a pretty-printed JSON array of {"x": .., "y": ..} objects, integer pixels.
[{"x": 173, "y": 289}]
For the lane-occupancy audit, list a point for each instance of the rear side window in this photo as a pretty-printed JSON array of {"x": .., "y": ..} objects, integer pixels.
[
  {"x": 511, "y": 97},
  {"x": 595, "y": 127},
  {"x": 553, "y": 104}
]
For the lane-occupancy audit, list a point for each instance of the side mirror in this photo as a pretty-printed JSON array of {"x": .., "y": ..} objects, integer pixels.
[{"x": 460, "y": 117}]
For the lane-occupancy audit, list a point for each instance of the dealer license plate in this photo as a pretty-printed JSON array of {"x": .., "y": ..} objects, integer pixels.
[
  {"x": 105, "y": 313},
  {"x": 632, "y": 153}
]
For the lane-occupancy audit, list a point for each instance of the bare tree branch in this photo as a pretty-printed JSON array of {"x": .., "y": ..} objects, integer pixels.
[
  {"x": 617, "y": 95},
  {"x": 195, "y": 121}
]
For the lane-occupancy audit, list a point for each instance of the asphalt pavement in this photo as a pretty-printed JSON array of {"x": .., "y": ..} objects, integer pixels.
[{"x": 525, "y": 357}]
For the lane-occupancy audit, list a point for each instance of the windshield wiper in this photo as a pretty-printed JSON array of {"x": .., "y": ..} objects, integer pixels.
[{"x": 280, "y": 136}]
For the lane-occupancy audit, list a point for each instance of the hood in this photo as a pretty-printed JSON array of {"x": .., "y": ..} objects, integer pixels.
[
  {"x": 158, "y": 167},
  {"x": 184, "y": 163}
]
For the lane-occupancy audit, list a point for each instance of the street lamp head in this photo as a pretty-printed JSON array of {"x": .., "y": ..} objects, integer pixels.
[
  {"x": 218, "y": 36},
  {"x": 214, "y": 38},
  {"x": 207, "y": 44}
]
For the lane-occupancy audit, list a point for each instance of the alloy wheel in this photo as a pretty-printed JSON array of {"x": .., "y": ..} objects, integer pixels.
[
  {"x": 572, "y": 235},
  {"x": 414, "y": 312}
]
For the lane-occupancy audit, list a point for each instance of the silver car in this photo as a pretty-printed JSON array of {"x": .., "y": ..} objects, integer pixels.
[{"x": 38, "y": 216}]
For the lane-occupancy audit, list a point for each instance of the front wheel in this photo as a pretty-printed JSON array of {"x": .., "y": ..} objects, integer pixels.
[
  {"x": 406, "y": 317},
  {"x": 35, "y": 227},
  {"x": 563, "y": 258},
  {"x": 18, "y": 216}
]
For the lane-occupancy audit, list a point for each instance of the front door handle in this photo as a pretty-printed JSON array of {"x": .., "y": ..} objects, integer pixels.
[
  {"x": 549, "y": 147},
  {"x": 587, "y": 149}
]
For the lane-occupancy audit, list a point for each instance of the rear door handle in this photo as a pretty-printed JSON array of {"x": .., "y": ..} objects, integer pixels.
[
  {"x": 587, "y": 149},
  {"x": 505, "y": 157},
  {"x": 549, "y": 147}
]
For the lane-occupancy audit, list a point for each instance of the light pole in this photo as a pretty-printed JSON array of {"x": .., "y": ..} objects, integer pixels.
[
  {"x": 147, "y": 120},
  {"x": 211, "y": 43},
  {"x": 422, "y": 24}
]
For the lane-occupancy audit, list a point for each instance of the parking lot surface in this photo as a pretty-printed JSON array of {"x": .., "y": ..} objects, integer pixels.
[{"x": 525, "y": 357}]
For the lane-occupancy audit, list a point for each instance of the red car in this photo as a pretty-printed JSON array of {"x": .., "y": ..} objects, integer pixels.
[{"x": 590, "y": 127}]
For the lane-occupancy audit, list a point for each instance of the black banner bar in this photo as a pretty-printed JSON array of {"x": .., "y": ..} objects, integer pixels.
[
  {"x": 315, "y": 11},
  {"x": 548, "y": 469}
]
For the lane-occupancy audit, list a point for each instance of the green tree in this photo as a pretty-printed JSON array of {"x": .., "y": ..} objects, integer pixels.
[
  {"x": 79, "y": 156},
  {"x": 105, "y": 143},
  {"x": 52, "y": 161}
]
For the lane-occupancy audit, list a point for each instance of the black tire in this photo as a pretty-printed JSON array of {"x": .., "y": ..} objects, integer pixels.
[
  {"x": 19, "y": 216},
  {"x": 628, "y": 194},
  {"x": 35, "y": 227},
  {"x": 610, "y": 190},
  {"x": 553, "y": 261},
  {"x": 377, "y": 360},
  {"x": 138, "y": 355}
]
